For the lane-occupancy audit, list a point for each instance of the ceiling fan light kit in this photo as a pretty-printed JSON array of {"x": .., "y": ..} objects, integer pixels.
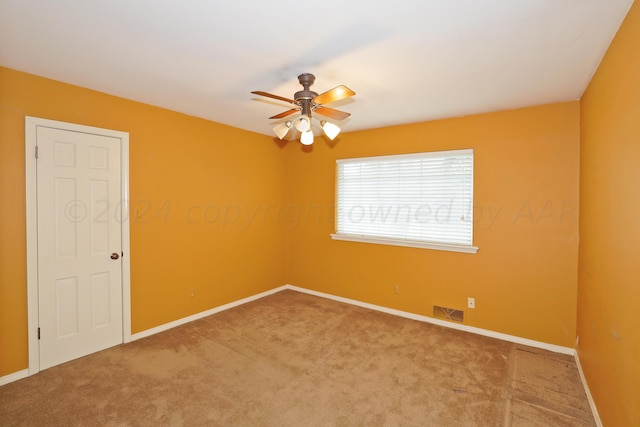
[
  {"x": 307, "y": 102},
  {"x": 306, "y": 138},
  {"x": 303, "y": 123},
  {"x": 330, "y": 129},
  {"x": 282, "y": 129}
]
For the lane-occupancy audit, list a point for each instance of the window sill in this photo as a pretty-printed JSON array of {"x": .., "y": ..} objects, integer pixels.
[{"x": 406, "y": 243}]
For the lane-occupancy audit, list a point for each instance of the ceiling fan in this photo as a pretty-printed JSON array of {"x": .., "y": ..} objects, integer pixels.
[{"x": 307, "y": 102}]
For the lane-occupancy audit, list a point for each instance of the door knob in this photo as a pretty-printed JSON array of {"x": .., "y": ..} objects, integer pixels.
[{"x": 115, "y": 255}]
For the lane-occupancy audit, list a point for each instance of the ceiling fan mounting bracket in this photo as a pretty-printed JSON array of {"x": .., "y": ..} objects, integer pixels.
[{"x": 306, "y": 80}]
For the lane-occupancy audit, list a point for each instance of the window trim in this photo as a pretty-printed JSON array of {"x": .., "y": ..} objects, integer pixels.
[
  {"x": 392, "y": 241},
  {"x": 405, "y": 242}
]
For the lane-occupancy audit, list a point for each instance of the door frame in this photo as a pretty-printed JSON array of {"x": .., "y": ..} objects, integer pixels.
[{"x": 31, "y": 128}]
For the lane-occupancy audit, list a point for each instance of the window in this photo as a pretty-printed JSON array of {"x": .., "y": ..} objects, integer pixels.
[{"x": 420, "y": 200}]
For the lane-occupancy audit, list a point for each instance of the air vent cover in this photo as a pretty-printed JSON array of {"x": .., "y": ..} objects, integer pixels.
[{"x": 448, "y": 313}]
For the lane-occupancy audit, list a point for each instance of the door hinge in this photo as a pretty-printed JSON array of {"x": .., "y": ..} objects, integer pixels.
[
  {"x": 38, "y": 333},
  {"x": 36, "y": 151}
]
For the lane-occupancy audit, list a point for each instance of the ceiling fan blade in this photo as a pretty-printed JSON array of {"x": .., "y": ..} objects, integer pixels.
[
  {"x": 335, "y": 94},
  {"x": 332, "y": 113},
  {"x": 284, "y": 114},
  {"x": 269, "y": 95}
]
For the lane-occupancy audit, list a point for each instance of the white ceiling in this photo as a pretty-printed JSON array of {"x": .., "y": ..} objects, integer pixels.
[{"x": 407, "y": 60}]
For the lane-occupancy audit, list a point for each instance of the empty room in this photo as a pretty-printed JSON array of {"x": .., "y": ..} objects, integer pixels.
[{"x": 343, "y": 213}]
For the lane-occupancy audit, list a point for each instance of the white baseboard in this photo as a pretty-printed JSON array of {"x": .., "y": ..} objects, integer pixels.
[
  {"x": 505, "y": 337},
  {"x": 592, "y": 403},
  {"x": 167, "y": 326},
  {"x": 479, "y": 331},
  {"x": 14, "y": 377},
  {"x": 148, "y": 332}
]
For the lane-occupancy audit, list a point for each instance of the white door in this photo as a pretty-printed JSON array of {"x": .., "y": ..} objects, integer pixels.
[{"x": 79, "y": 248}]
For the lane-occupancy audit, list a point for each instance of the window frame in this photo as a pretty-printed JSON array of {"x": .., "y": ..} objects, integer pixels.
[{"x": 401, "y": 241}]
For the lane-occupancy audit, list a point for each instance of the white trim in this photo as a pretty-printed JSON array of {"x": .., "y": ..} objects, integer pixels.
[
  {"x": 126, "y": 240},
  {"x": 14, "y": 377},
  {"x": 585, "y": 385},
  {"x": 479, "y": 331},
  {"x": 461, "y": 151},
  {"x": 30, "y": 139},
  {"x": 472, "y": 329},
  {"x": 202, "y": 314},
  {"x": 404, "y": 242},
  {"x": 31, "y": 126}
]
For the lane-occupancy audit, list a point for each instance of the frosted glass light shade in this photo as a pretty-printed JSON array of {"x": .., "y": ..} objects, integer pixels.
[
  {"x": 282, "y": 129},
  {"x": 306, "y": 138},
  {"x": 330, "y": 130},
  {"x": 303, "y": 124}
]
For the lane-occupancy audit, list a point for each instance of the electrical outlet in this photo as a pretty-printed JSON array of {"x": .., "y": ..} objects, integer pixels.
[
  {"x": 471, "y": 302},
  {"x": 396, "y": 289}
]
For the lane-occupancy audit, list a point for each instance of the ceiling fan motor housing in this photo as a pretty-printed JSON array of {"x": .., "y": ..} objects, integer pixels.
[{"x": 304, "y": 97}]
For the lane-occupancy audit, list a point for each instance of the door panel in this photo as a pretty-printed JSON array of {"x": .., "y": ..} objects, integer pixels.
[
  {"x": 66, "y": 294},
  {"x": 79, "y": 284}
]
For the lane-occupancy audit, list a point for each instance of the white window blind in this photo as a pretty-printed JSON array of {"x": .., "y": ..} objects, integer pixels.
[{"x": 423, "y": 200}]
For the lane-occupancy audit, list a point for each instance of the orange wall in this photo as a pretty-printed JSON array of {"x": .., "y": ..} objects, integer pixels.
[
  {"x": 609, "y": 273},
  {"x": 526, "y": 224},
  {"x": 185, "y": 171},
  {"x": 186, "y": 176}
]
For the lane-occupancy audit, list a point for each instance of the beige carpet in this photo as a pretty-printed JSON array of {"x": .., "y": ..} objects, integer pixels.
[{"x": 292, "y": 359}]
